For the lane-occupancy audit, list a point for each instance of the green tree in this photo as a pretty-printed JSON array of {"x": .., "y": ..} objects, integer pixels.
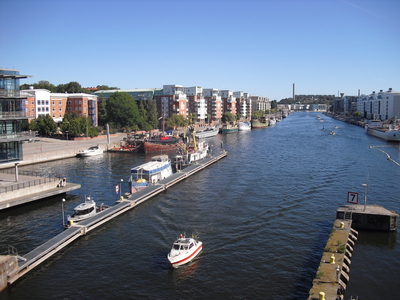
[
  {"x": 122, "y": 110},
  {"x": 74, "y": 87},
  {"x": 61, "y": 88},
  {"x": 228, "y": 117},
  {"x": 176, "y": 121},
  {"x": 42, "y": 84},
  {"x": 44, "y": 125},
  {"x": 257, "y": 114},
  {"x": 106, "y": 87}
]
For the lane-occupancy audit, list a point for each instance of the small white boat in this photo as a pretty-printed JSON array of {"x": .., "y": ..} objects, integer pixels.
[
  {"x": 184, "y": 250},
  {"x": 158, "y": 168},
  {"x": 85, "y": 210},
  {"x": 208, "y": 132},
  {"x": 244, "y": 126},
  {"x": 91, "y": 151},
  {"x": 272, "y": 121},
  {"x": 332, "y": 133},
  {"x": 336, "y": 127}
]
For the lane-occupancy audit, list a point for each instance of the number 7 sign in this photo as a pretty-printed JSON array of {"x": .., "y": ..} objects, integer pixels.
[{"x": 352, "y": 197}]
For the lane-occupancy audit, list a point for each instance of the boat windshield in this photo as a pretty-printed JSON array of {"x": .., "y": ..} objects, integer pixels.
[
  {"x": 79, "y": 212},
  {"x": 176, "y": 246}
]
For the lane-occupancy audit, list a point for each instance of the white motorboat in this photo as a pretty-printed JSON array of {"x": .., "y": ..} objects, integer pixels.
[
  {"x": 208, "y": 132},
  {"x": 158, "y": 168},
  {"x": 91, "y": 151},
  {"x": 332, "y": 133},
  {"x": 184, "y": 250},
  {"x": 244, "y": 126},
  {"x": 85, "y": 210},
  {"x": 272, "y": 121}
]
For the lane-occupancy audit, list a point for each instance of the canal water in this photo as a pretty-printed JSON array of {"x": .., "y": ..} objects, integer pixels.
[{"x": 264, "y": 214}]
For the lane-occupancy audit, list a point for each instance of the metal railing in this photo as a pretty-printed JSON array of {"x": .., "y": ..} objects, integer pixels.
[{"x": 43, "y": 179}]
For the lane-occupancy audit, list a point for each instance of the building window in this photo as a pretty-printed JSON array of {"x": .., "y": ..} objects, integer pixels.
[
  {"x": 53, "y": 103},
  {"x": 60, "y": 109},
  {"x": 59, "y": 102},
  {"x": 53, "y": 109},
  {"x": 38, "y": 102}
]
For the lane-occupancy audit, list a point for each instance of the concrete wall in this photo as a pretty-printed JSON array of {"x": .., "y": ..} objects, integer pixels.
[
  {"x": 28, "y": 191},
  {"x": 8, "y": 266}
]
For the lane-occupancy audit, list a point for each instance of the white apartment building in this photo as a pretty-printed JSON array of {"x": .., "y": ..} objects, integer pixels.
[{"x": 382, "y": 105}]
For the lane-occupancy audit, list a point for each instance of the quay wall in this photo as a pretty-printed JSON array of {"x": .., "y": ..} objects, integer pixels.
[
  {"x": 333, "y": 272},
  {"x": 24, "y": 192},
  {"x": 8, "y": 266}
]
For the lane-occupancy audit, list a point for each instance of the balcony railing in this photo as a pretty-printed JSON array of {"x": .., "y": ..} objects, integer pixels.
[
  {"x": 13, "y": 115},
  {"x": 24, "y": 134},
  {"x": 13, "y": 94}
]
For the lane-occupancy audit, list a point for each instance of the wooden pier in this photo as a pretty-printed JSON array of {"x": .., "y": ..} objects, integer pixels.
[{"x": 49, "y": 248}]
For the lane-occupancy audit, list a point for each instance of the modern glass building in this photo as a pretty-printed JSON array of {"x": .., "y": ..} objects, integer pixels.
[{"x": 12, "y": 113}]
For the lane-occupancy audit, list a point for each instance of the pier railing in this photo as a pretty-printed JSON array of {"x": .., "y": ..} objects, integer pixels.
[{"x": 43, "y": 178}]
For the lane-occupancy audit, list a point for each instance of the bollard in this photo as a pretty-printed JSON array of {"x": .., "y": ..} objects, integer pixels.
[
  {"x": 321, "y": 296},
  {"x": 342, "y": 225},
  {"x": 332, "y": 259}
]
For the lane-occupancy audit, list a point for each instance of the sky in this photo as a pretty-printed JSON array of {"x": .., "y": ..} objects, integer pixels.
[{"x": 261, "y": 47}]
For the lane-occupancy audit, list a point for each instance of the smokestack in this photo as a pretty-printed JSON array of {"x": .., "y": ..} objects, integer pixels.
[
  {"x": 358, "y": 92},
  {"x": 294, "y": 92}
]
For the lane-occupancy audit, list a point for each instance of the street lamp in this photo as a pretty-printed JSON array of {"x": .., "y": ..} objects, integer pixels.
[
  {"x": 16, "y": 172},
  {"x": 67, "y": 134},
  {"x": 366, "y": 193},
  {"x": 120, "y": 188},
  {"x": 62, "y": 208}
]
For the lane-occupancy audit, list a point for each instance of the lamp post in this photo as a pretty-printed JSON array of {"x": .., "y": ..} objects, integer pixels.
[
  {"x": 67, "y": 134},
  {"x": 62, "y": 209},
  {"x": 120, "y": 188},
  {"x": 16, "y": 172},
  {"x": 366, "y": 193}
]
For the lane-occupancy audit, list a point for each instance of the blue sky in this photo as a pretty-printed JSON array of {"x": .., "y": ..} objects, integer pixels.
[{"x": 257, "y": 46}]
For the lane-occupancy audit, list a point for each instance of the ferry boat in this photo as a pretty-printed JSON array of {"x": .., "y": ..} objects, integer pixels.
[
  {"x": 158, "y": 168},
  {"x": 85, "y": 210},
  {"x": 388, "y": 132},
  {"x": 184, "y": 250},
  {"x": 91, "y": 151},
  {"x": 244, "y": 126}
]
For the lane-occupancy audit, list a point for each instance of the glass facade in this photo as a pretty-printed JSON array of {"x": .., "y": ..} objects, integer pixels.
[{"x": 12, "y": 112}]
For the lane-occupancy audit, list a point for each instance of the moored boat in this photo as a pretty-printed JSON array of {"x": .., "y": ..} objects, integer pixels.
[
  {"x": 244, "y": 126},
  {"x": 190, "y": 153},
  {"x": 388, "y": 132},
  {"x": 85, "y": 210},
  {"x": 259, "y": 123},
  {"x": 229, "y": 128},
  {"x": 208, "y": 132},
  {"x": 161, "y": 144},
  {"x": 158, "y": 168},
  {"x": 184, "y": 250},
  {"x": 91, "y": 151}
]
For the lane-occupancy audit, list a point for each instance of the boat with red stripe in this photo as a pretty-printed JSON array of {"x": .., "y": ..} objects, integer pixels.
[{"x": 184, "y": 250}]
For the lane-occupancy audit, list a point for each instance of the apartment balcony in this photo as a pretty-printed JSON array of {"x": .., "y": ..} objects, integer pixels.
[
  {"x": 13, "y": 94},
  {"x": 17, "y": 136},
  {"x": 12, "y": 115}
]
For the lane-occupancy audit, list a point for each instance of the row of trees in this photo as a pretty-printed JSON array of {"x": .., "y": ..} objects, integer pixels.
[
  {"x": 72, "y": 124},
  {"x": 71, "y": 87}
]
